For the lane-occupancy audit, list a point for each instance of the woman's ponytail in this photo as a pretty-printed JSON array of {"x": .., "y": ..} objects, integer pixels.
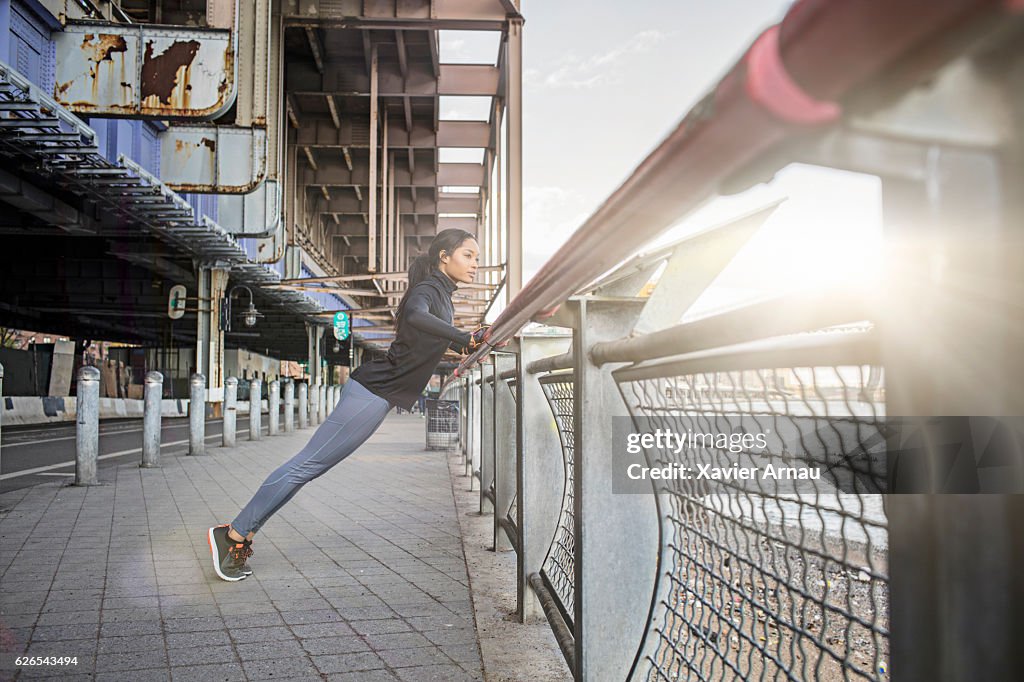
[{"x": 419, "y": 270}]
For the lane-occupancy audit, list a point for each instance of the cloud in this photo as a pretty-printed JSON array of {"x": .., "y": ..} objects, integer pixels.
[
  {"x": 550, "y": 215},
  {"x": 576, "y": 72}
]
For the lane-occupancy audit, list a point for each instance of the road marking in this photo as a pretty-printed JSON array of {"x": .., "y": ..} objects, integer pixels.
[
  {"x": 37, "y": 470},
  {"x": 113, "y": 432}
]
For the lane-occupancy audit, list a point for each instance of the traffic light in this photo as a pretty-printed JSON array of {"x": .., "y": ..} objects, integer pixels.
[{"x": 339, "y": 351}]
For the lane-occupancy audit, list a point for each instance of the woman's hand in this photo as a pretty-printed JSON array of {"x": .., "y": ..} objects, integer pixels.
[{"x": 477, "y": 337}]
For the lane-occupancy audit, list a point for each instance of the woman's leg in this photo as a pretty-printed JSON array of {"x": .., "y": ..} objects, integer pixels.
[{"x": 359, "y": 413}]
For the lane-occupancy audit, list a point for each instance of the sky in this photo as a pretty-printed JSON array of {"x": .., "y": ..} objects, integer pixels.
[{"x": 605, "y": 82}]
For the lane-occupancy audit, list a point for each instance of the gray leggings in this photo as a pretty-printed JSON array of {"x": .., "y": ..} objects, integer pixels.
[{"x": 359, "y": 413}]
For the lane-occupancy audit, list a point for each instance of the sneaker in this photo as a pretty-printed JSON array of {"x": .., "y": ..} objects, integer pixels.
[
  {"x": 247, "y": 552},
  {"x": 228, "y": 555}
]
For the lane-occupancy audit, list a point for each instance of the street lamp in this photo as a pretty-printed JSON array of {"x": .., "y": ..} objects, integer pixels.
[{"x": 250, "y": 315}]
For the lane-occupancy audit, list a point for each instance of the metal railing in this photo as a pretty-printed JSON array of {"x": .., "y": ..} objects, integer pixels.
[{"x": 732, "y": 578}]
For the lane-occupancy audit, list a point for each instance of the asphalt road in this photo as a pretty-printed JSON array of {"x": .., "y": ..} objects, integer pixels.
[{"x": 30, "y": 455}]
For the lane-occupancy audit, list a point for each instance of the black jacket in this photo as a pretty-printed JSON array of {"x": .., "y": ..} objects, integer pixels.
[{"x": 424, "y": 333}]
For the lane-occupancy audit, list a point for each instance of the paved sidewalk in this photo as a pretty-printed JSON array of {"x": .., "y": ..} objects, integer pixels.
[{"x": 361, "y": 577}]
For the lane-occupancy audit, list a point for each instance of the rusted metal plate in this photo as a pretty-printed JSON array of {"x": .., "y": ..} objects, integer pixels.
[
  {"x": 213, "y": 159},
  {"x": 139, "y": 71},
  {"x": 256, "y": 214}
]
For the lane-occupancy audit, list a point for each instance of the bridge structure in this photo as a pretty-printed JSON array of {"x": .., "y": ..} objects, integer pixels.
[
  {"x": 300, "y": 150},
  {"x": 900, "y": 560}
]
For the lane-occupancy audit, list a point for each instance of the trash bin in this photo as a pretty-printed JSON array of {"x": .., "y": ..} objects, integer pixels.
[{"x": 442, "y": 424}]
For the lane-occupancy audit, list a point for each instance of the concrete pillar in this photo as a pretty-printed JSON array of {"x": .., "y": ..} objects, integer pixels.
[
  {"x": 153, "y": 395},
  {"x": 274, "y": 405},
  {"x": 255, "y": 398},
  {"x": 197, "y": 415},
  {"x": 230, "y": 412},
  {"x": 303, "y": 405},
  {"x": 88, "y": 426},
  {"x": 213, "y": 284},
  {"x": 289, "y": 405}
]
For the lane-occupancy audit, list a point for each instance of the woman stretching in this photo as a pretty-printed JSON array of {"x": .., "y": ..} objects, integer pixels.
[{"x": 424, "y": 332}]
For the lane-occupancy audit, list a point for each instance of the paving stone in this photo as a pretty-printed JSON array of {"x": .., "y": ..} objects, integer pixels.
[
  {"x": 151, "y": 675},
  {"x": 436, "y": 673},
  {"x": 205, "y": 655},
  {"x": 380, "y": 627},
  {"x": 258, "y": 650},
  {"x": 299, "y": 668},
  {"x": 135, "y": 660},
  {"x": 270, "y": 634},
  {"x": 222, "y": 672},
  {"x": 343, "y": 663},
  {"x": 320, "y": 646},
  {"x": 398, "y": 640},
  {"x": 113, "y": 645},
  {"x": 179, "y": 640},
  {"x": 363, "y": 676}
]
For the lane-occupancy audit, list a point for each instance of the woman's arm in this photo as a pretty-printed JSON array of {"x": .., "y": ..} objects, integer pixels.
[{"x": 417, "y": 314}]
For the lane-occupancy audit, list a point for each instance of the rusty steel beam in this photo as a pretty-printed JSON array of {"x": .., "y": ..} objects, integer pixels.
[
  {"x": 314, "y": 47},
  {"x": 333, "y": 108}
]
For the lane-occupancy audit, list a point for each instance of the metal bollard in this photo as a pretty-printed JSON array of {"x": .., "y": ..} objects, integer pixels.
[
  {"x": 87, "y": 418},
  {"x": 314, "y": 405},
  {"x": 322, "y": 405},
  {"x": 274, "y": 403},
  {"x": 335, "y": 396},
  {"x": 197, "y": 415},
  {"x": 230, "y": 412},
  {"x": 289, "y": 405},
  {"x": 154, "y": 393},
  {"x": 303, "y": 405},
  {"x": 255, "y": 409}
]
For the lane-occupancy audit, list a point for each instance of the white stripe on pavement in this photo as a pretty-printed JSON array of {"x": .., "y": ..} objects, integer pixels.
[{"x": 28, "y": 472}]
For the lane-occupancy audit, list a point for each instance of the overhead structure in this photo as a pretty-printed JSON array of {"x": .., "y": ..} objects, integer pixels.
[
  {"x": 155, "y": 144},
  {"x": 392, "y": 139}
]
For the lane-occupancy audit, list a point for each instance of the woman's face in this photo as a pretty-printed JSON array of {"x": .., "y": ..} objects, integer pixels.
[{"x": 461, "y": 264}]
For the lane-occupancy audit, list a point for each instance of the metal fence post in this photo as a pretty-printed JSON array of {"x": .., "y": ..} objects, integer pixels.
[
  {"x": 197, "y": 415},
  {"x": 487, "y": 436},
  {"x": 303, "y": 405},
  {"x": 540, "y": 468},
  {"x": 87, "y": 419},
  {"x": 274, "y": 403},
  {"x": 154, "y": 393},
  {"x": 289, "y": 405},
  {"x": 255, "y": 409},
  {"x": 230, "y": 412},
  {"x": 473, "y": 429},
  {"x": 505, "y": 529}
]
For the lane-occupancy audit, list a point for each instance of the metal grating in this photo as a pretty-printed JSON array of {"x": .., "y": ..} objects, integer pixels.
[
  {"x": 757, "y": 582},
  {"x": 558, "y": 568}
]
